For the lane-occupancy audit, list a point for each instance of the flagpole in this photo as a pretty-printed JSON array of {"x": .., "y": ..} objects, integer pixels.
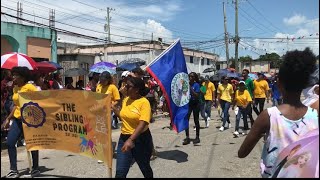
[{"x": 160, "y": 55}]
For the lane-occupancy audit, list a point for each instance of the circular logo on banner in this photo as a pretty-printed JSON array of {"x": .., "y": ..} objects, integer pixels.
[
  {"x": 180, "y": 89},
  {"x": 33, "y": 115}
]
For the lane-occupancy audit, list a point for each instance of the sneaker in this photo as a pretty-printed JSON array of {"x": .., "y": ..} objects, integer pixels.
[
  {"x": 186, "y": 141},
  {"x": 13, "y": 174},
  {"x": 99, "y": 161},
  {"x": 196, "y": 141},
  {"x": 244, "y": 132},
  {"x": 221, "y": 128},
  {"x": 236, "y": 133},
  {"x": 229, "y": 125},
  {"x": 208, "y": 119},
  {"x": 207, "y": 124},
  {"x": 35, "y": 172},
  {"x": 194, "y": 128}
]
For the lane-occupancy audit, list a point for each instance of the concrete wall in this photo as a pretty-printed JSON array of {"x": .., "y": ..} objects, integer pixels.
[
  {"x": 39, "y": 48},
  {"x": 20, "y": 33},
  {"x": 257, "y": 66},
  {"x": 5, "y": 46}
]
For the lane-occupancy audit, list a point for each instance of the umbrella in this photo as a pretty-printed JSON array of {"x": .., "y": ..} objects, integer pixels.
[
  {"x": 45, "y": 67},
  {"x": 214, "y": 78},
  {"x": 222, "y": 72},
  {"x": 128, "y": 66},
  {"x": 307, "y": 149},
  {"x": 233, "y": 75},
  {"x": 253, "y": 76},
  {"x": 75, "y": 72},
  {"x": 13, "y": 59},
  {"x": 208, "y": 70},
  {"x": 139, "y": 61},
  {"x": 56, "y": 65},
  {"x": 103, "y": 66}
]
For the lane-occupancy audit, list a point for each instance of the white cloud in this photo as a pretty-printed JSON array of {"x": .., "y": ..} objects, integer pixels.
[
  {"x": 295, "y": 20},
  {"x": 131, "y": 21}
]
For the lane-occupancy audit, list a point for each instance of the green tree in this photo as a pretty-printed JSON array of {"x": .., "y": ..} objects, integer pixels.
[
  {"x": 245, "y": 59},
  {"x": 273, "y": 58}
]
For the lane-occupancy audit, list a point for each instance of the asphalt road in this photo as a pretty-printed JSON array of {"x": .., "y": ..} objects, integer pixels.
[{"x": 215, "y": 156}]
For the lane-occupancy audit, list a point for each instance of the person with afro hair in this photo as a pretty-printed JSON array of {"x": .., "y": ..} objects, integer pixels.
[{"x": 284, "y": 124}]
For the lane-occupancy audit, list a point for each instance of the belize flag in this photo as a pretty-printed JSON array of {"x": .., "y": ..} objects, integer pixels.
[{"x": 169, "y": 69}]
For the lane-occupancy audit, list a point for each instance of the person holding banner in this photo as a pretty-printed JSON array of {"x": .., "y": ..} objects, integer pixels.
[
  {"x": 21, "y": 75},
  {"x": 194, "y": 106},
  {"x": 135, "y": 140}
]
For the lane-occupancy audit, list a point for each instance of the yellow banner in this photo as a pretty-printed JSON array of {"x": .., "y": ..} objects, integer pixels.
[{"x": 69, "y": 120}]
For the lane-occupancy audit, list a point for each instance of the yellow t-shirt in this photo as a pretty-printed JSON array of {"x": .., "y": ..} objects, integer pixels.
[
  {"x": 110, "y": 89},
  {"x": 260, "y": 88},
  {"x": 226, "y": 92},
  {"x": 132, "y": 112},
  {"x": 210, "y": 88},
  {"x": 243, "y": 98},
  {"x": 15, "y": 97}
]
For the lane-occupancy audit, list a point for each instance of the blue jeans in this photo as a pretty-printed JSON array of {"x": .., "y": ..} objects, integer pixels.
[
  {"x": 14, "y": 133},
  {"x": 243, "y": 112},
  {"x": 276, "y": 102},
  {"x": 141, "y": 153},
  {"x": 225, "y": 106},
  {"x": 206, "y": 108}
]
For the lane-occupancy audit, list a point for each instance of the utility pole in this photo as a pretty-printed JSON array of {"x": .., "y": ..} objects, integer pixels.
[
  {"x": 236, "y": 40},
  {"x": 107, "y": 26},
  {"x": 226, "y": 34},
  {"x": 19, "y": 12}
]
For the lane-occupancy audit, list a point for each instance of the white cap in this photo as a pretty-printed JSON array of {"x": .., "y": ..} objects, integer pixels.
[
  {"x": 242, "y": 82},
  {"x": 125, "y": 74}
]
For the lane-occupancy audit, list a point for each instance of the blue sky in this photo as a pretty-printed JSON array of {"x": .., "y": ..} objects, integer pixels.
[{"x": 195, "y": 22}]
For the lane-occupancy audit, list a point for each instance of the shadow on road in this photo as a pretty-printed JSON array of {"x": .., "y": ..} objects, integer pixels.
[{"x": 176, "y": 155}]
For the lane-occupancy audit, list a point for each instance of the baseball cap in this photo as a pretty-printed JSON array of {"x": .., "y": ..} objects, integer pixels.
[
  {"x": 105, "y": 76},
  {"x": 242, "y": 82},
  {"x": 125, "y": 74}
]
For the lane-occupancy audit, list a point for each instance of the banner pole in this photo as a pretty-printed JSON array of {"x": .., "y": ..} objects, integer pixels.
[
  {"x": 29, "y": 161},
  {"x": 110, "y": 172}
]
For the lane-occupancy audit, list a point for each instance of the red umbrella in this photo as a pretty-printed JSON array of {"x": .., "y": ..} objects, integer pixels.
[
  {"x": 45, "y": 67},
  {"x": 13, "y": 59}
]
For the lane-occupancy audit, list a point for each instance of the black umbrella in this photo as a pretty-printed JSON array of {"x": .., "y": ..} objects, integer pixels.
[
  {"x": 208, "y": 70},
  {"x": 138, "y": 61},
  {"x": 75, "y": 72},
  {"x": 215, "y": 78}
]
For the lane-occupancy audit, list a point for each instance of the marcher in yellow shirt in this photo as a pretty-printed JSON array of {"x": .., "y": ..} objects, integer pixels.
[
  {"x": 209, "y": 99},
  {"x": 242, "y": 100},
  {"x": 225, "y": 95},
  {"x": 260, "y": 93},
  {"x": 135, "y": 140},
  {"x": 21, "y": 76}
]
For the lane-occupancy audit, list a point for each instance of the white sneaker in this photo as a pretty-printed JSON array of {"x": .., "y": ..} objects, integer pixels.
[
  {"x": 194, "y": 128},
  {"x": 229, "y": 126},
  {"x": 207, "y": 124},
  {"x": 99, "y": 161},
  {"x": 208, "y": 119},
  {"x": 221, "y": 128},
  {"x": 236, "y": 133}
]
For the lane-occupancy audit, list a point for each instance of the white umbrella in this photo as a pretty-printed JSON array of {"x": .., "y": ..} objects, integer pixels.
[{"x": 13, "y": 59}]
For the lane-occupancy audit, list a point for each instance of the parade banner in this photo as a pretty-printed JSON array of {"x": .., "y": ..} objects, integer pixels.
[
  {"x": 70, "y": 120},
  {"x": 169, "y": 69}
]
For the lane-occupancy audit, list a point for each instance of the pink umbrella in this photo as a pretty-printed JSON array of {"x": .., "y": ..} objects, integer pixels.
[
  {"x": 13, "y": 59},
  {"x": 300, "y": 159}
]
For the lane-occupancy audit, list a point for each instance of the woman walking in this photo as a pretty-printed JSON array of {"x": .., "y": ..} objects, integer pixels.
[
  {"x": 135, "y": 140},
  {"x": 194, "y": 106},
  {"x": 284, "y": 124}
]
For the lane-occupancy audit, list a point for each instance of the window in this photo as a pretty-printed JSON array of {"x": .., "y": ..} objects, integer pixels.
[
  {"x": 208, "y": 61},
  {"x": 191, "y": 59},
  {"x": 202, "y": 61},
  {"x": 218, "y": 67}
]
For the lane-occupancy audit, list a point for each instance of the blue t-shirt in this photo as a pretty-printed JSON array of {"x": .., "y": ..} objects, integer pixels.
[
  {"x": 275, "y": 91},
  {"x": 196, "y": 87}
]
